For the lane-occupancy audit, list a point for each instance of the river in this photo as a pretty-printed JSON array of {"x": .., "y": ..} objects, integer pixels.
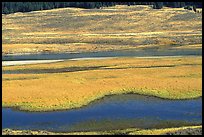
[{"x": 111, "y": 112}]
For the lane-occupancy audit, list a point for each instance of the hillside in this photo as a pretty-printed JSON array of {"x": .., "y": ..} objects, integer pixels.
[{"x": 111, "y": 28}]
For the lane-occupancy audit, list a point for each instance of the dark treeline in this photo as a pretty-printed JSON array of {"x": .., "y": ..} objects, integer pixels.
[{"x": 12, "y": 7}]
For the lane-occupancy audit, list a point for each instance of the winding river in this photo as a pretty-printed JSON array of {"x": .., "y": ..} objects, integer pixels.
[{"x": 111, "y": 112}]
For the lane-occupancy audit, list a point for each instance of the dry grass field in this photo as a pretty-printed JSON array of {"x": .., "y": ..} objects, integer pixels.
[
  {"x": 106, "y": 29},
  {"x": 72, "y": 84}
]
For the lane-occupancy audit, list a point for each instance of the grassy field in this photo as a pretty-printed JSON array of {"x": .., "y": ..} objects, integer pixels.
[
  {"x": 107, "y": 29},
  {"x": 131, "y": 131},
  {"x": 72, "y": 84}
]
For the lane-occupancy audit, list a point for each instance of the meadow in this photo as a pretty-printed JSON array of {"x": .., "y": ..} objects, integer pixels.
[
  {"x": 73, "y": 84},
  {"x": 92, "y": 30}
]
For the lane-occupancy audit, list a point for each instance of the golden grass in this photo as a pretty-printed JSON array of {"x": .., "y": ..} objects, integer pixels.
[
  {"x": 59, "y": 30},
  {"x": 194, "y": 46},
  {"x": 57, "y": 48},
  {"x": 173, "y": 78},
  {"x": 131, "y": 131},
  {"x": 161, "y": 131}
]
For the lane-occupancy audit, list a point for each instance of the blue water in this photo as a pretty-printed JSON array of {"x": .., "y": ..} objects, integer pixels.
[
  {"x": 131, "y": 110},
  {"x": 127, "y": 53}
]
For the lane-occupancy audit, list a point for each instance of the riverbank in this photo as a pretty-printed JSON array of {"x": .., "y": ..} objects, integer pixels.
[
  {"x": 26, "y": 62},
  {"x": 111, "y": 113},
  {"x": 188, "y": 130},
  {"x": 89, "y": 80}
]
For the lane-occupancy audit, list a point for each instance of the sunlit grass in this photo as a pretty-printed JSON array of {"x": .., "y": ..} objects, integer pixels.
[
  {"x": 58, "y": 30},
  {"x": 161, "y": 131},
  {"x": 171, "y": 78},
  {"x": 130, "y": 131}
]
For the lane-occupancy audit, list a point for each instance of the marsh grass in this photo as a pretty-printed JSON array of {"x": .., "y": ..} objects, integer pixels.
[
  {"x": 169, "y": 78},
  {"x": 58, "y": 70},
  {"x": 22, "y": 78},
  {"x": 128, "y": 131}
]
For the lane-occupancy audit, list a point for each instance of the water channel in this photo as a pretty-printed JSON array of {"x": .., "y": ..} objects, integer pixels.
[
  {"x": 127, "y": 53},
  {"x": 111, "y": 112}
]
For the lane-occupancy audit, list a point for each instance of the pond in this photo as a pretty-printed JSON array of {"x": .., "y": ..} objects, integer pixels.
[
  {"x": 125, "y": 53},
  {"x": 110, "y": 112}
]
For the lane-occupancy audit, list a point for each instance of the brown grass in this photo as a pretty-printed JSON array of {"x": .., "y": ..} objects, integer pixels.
[{"x": 112, "y": 28}]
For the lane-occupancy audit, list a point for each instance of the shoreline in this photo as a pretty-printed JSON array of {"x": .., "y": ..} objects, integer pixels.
[
  {"x": 18, "y": 108},
  {"x": 25, "y": 62},
  {"x": 193, "y": 130},
  {"x": 14, "y": 63}
]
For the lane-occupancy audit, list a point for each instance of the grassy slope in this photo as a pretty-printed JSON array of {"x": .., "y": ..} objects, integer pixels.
[
  {"x": 71, "y": 84},
  {"x": 112, "y": 28}
]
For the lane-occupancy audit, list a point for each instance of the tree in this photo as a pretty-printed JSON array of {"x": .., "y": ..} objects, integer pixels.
[
  {"x": 5, "y": 10},
  {"x": 194, "y": 8},
  {"x": 11, "y": 7},
  {"x": 182, "y": 4},
  {"x": 158, "y": 5}
]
